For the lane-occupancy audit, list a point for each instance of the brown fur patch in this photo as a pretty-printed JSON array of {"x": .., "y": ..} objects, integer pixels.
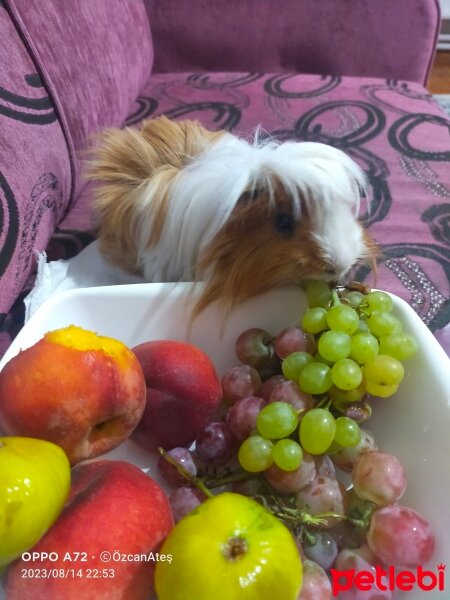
[{"x": 131, "y": 167}]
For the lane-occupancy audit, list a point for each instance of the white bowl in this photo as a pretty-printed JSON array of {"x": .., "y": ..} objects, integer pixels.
[{"x": 414, "y": 425}]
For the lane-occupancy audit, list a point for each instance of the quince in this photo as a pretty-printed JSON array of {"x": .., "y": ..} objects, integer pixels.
[
  {"x": 229, "y": 548},
  {"x": 34, "y": 485}
]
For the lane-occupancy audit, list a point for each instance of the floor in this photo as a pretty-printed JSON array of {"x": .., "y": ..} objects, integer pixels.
[{"x": 439, "y": 81}]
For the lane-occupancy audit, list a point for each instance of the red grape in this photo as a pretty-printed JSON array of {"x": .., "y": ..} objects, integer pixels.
[
  {"x": 316, "y": 585},
  {"x": 400, "y": 536},
  {"x": 239, "y": 382},
  {"x": 169, "y": 471},
  {"x": 324, "y": 466},
  {"x": 184, "y": 499},
  {"x": 289, "y": 392},
  {"x": 323, "y": 495},
  {"x": 323, "y": 549},
  {"x": 345, "y": 459},
  {"x": 255, "y": 347},
  {"x": 269, "y": 384},
  {"x": 293, "y": 339},
  {"x": 215, "y": 444},
  {"x": 287, "y": 482},
  {"x": 241, "y": 417},
  {"x": 248, "y": 487},
  {"x": 379, "y": 477}
]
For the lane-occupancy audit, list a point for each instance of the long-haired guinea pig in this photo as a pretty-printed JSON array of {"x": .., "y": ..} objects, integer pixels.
[{"x": 175, "y": 202}]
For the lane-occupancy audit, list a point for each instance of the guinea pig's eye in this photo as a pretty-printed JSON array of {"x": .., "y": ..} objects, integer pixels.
[{"x": 284, "y": 223}]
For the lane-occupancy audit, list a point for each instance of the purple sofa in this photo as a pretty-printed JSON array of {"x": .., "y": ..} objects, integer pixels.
[{"x": 350, "y": 74}]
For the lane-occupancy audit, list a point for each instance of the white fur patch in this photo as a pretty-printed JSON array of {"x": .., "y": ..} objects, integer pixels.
[{"x": 206, "y": 191}]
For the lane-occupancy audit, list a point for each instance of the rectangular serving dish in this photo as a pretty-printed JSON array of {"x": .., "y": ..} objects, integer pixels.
[{"x": 414, "y": 424}]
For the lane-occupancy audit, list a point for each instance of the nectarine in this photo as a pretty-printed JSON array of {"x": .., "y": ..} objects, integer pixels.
[{"x": 183, "y": 393}]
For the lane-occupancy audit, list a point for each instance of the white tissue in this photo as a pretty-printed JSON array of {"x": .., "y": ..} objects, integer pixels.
[{"x": 87, "y": 269}]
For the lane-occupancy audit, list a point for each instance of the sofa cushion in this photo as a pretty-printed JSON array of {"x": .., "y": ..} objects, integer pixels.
[{"x": 393, "y": 129}]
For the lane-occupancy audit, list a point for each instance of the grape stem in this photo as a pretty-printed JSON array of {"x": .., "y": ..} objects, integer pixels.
[
  {"x": 309, "y": 538},
  {"x": 199, "y": 483},
  {"x": 226, "y": 480},
  {"x": 324, "y": 403},
  {"x": 335, "y": 298},
  {"x": 358, "y": 287},
  {"x": 363, "y": 519},
  {"x": 299, "y": 517}
]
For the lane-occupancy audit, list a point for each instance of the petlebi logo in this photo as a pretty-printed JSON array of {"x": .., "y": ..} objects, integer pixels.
[{"x": 388, "y": 578}]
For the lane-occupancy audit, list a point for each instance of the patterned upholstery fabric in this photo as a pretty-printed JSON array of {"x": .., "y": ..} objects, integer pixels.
[{"x": 35, "y": 175}]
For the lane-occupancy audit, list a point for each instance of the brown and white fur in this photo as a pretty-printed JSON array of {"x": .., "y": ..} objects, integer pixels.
[{"x": 176, "y": 202}]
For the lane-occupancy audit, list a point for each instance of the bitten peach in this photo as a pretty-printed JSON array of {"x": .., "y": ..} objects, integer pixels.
[{"x": 75, "y": 388}]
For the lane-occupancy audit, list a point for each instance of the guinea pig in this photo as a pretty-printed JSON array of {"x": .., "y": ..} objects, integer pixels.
[{"x": 176, "y": 202}]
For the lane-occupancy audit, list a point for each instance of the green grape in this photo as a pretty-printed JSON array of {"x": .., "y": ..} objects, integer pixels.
[
  {"x": 341, "y": 397},
  {"x": 277, "y": 420},
  {"x": 377, "y": 301},
  {"x": 334, "y": 345},
  {"x": 383, "y": 323},
  {"x": 287, "y": 454},
  {"x": 382, "y": 375},
  {"x": 346, "y": 374},
  {"x": 399, "y": 345},
  {"x": 315, "y": 378},
  {"x": 354, "y": 298},
  {"x": 255, "y": 454},
  {"x": 380, "y": 390},
  {"x": 348, "y": 432},
  {"x": 317, "y": 430},
  {"x": 314, "y": 320},
  {"x": 362, "y": 327},
  {"x": 292, "y": 365},
  {"x": 318, "y": 293},
  {"x": 343, "y": 318},
  {"x": 319, "y": 358},
  {"x": 363, "y": 347},
  {"x": 334, "y": 448}
]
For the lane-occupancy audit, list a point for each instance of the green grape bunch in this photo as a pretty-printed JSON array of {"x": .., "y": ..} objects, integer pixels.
[{"x": 348, "y": 348}]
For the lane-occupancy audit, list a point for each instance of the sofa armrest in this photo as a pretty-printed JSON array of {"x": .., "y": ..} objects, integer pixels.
[
  {"x": 67, "y": 69},
  {"x": 375, "y": 38},
  {"x": 94, "y": 57}
]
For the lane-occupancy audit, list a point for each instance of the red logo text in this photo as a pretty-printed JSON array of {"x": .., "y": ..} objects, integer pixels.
[{"x": 388, "y": 578}]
